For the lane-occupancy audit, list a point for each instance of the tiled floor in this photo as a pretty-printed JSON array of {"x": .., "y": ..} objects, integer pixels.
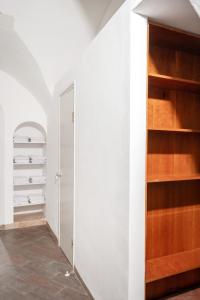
[
  {"x": 32, "y": 267},
  {"x": 190, "y": 295}
]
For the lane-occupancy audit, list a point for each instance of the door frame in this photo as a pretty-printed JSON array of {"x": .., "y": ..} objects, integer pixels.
[{"x": 68, "y": 89}]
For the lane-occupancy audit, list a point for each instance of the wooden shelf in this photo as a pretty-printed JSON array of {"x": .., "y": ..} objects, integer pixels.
[
  {"x": 166, "y": 266},
  {"x": 29, "y": 212},
  {"x": 174, "y": 83},
  {"x": 29, "y": 143},
  {"x": 154, "y": 179},
  {"x": 29, "y": 164},
  {"x": 29, "y": 204},
  {"x": 175, "y": 130},
  {"x": 27, "y": 184}
]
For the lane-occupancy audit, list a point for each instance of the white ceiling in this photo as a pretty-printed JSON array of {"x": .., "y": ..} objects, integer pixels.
[
  {"x": 55, "y": 31},
  {"x": 175, "y": 13}
]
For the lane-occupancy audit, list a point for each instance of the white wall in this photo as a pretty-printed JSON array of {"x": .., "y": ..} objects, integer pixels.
[
  {"x": 110, "y": 11},
  {"x": 102, "y": 161},
  {"x": 2, "y": 164},
  {"x": 102, "y": 158},
  {"x": 18, "y": 106}
]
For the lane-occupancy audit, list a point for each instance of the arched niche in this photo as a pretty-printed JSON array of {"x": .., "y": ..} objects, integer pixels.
[
  {"x": 29, "y": 171},
  {"x": 30, "y": 129}
]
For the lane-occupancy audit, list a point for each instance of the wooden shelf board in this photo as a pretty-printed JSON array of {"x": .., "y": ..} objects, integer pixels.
[
  {"x": 174, "y": 83},
  {"x": 172, "y": 178},
  {"x": 174, "y": 130},
  {"x": 166, "y": 266},
  {"x": 28, "y": 212}
]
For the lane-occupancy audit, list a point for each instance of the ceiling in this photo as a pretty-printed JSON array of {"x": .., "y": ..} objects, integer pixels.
[
  {"x": 56, "y": 32},
  {"x": 182, "y": 14}
]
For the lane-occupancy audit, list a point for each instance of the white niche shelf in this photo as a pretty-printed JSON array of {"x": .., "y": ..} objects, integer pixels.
[{"x": 29, "y": 171}]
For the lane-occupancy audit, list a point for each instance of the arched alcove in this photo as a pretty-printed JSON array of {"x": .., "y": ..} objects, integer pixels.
[
  {"x": 31, "y": 128},
  {"x": 29, "y": 172}
]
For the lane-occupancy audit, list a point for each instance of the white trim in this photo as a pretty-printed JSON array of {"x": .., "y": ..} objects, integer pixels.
[{"x": 137, "y": 175}]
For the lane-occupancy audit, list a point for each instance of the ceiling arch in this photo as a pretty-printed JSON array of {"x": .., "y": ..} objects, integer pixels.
[
  {"x": 17, "y": 61},
  {"x": 56, "y": 32}
]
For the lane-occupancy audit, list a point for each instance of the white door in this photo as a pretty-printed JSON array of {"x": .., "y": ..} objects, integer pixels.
[{"x": 67, "y": 172}]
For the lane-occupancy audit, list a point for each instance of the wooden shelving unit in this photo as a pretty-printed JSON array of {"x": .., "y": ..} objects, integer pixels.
[{"x": 173, "y": 161}]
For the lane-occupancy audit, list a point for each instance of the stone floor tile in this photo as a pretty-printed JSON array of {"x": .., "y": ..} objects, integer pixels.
[{"x": 32, "y": 267}]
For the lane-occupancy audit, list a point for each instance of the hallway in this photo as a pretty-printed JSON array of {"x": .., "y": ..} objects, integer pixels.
[{"x": 33, "y": 267}]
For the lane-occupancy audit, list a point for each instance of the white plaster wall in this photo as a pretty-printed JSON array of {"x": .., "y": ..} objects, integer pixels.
[
  {"x": 102, "y": 163},
  {"x": 2, "y": 164},
  {"x": 113, "y": 6},
  {"x": 102, "y": 160},
  {"x": 18, "y": 106}
]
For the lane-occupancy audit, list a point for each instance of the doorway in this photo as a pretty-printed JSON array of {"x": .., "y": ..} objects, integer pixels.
[{"x": 67, "y": 172}]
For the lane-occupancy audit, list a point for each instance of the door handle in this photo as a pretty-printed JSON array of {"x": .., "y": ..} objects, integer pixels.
[{"x": 58, "y": 175}]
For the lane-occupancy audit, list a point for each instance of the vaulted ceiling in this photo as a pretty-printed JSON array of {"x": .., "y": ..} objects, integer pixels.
[{"x": 56, "y": 32}]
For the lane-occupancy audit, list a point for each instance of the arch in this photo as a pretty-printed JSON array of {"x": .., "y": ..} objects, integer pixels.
[
  {"x": 17, "y": 61},
  {"x": 30, "y": 124}
]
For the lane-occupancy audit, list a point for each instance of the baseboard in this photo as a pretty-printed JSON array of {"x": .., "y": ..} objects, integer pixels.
[
  {"x": 54, "y": 237},
  {"x": 23, "y": 224},
  {"x": 83, "y": 283}
]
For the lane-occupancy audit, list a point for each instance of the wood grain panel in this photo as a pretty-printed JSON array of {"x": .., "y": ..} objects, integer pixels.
[
  {"x": 165, "y": 61},
  {"x": 173, "y": 109},
  {"x": 173, "y": 213},
  {"x": 171, "y": 285},
  {"x": 166, "y": 37},
  {"x": 187, "y": 65},
  {"x": 166, "y": 266},
  {"x": 162, "y": 61},
  {"x": 175, "y": 83},
  {"x": 172, "y": 154}
]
